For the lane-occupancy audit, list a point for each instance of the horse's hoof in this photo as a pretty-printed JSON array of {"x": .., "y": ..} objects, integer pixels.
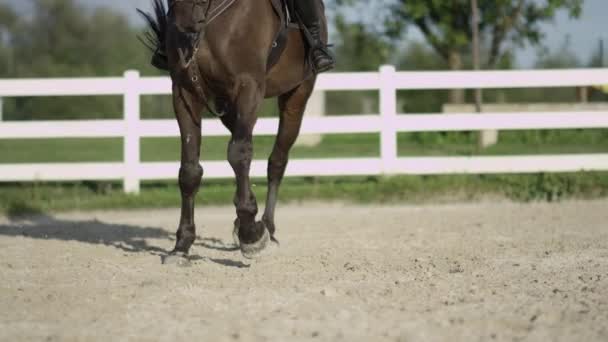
[
  {"x": 179, "y": 259},
  {"x": 254, "y": 250}
]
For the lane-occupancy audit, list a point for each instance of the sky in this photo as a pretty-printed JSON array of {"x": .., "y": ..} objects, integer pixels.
[{"x": 584, "y": 33}]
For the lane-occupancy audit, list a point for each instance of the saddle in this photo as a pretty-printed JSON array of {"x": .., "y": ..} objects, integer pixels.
[
  {"x": 214, "y": 10},
  {"x": 282, "y": 8}
]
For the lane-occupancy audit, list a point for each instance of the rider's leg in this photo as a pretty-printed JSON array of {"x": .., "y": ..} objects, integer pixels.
[{"x": 310, "y": 13}]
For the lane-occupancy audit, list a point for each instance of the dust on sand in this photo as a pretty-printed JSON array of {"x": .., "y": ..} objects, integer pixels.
[{"x": 474, "y": 272}]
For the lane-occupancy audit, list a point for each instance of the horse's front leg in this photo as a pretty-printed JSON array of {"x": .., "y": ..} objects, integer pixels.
[
  {"x": 253, "y": 236},
  {"x": 291, "y": 106},
  {"x": 187, "y": 110}
]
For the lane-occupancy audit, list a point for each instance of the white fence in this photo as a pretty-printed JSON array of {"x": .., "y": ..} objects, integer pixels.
[{"x": 388, "y": 123}]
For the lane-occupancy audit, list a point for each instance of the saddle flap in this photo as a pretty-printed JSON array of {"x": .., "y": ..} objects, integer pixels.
[{"x": 282, "y": 10}]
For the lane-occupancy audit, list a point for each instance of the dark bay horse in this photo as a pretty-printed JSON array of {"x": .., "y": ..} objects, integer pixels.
[{"x": 218, "y": 57}]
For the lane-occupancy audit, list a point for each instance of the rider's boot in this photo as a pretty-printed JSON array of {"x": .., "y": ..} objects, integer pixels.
[{"x": 310, "y": 14}]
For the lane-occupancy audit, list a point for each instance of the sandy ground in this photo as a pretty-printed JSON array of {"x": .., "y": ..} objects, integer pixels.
[{"x": 475, "y": 272}]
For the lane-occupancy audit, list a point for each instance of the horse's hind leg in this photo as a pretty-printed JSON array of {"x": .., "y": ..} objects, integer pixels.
[
  {"x": 187, "y": 111},
  {"x": 253, "y": 236},
  {"x": 291, "y": 106}
]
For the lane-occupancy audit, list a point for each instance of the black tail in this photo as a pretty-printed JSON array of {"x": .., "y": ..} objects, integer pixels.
[{"x": 155, "y": 37}]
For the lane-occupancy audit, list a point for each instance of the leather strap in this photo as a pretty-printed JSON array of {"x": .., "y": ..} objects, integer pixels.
[
  {"x": 217, "y": 11},
  {"x": 192, "y": 68}
]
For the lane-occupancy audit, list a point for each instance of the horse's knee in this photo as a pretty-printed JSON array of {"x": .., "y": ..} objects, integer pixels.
[
  {"x": 240, "y": 154},
  {"x": 190, "y": 175}
]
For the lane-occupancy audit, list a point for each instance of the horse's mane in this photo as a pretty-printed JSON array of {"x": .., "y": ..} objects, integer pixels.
[{"x": 154, "y": 37}]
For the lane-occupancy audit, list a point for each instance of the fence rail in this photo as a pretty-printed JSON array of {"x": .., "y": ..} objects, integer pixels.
[{"x": 388, "y": 123}]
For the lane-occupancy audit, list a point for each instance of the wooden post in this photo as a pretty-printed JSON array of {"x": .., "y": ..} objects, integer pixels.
[
  {"x": 582, "y": 94},
  {"x": 476, "y": 58},
  {"x": 314, "y": 109},
  {"x": 486, "y": 138},
  {"x": 131, "y": 141},
  {"x": 388, "y": 112}
]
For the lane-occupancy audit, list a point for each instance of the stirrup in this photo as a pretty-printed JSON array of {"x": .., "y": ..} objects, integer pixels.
[{"x": 327, "y": 55}]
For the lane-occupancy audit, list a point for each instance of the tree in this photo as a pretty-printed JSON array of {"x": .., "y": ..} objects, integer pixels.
[
  {"x": 419, "y": 56},
  {"x": 64, "y": 39},
  {"x": 446, "y": 25},
  {"x": 8, "y": 21},
  {"x": 359, "y": 48},
  {"x": 560, "y": 58}
]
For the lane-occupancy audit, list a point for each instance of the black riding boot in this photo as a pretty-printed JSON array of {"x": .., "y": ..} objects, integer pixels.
[{"x": 310, "y": 14}]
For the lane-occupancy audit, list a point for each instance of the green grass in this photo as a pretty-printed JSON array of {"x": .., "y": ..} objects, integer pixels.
[
  {"x": 16, "y": 198},
  {"x": 24, "y": 198},
  {"x": 168, "y": 149},
  {"x": 510, "y": 143},
  {"x": 332, "y": 146}
]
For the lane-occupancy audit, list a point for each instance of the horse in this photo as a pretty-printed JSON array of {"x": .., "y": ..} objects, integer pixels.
[{"x": 218, "y": 54}]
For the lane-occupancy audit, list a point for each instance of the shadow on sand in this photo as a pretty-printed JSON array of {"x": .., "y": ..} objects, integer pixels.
[
  {"x": 128, "y": 238},
  {"x": 125, "y": 237},
  {"x": 216, "y": 244}
]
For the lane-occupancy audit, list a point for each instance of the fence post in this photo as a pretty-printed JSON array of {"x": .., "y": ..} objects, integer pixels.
[
  {"x": 388, "y": 113},
  {"x": 131, "y": 140},
  {"x": 314, "y": 109}
]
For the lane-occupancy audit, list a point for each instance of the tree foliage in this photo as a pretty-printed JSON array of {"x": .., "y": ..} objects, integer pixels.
[
  {"x": 360, "y": 48},
  {"x": 61, "y": 38},
  {"x": 446, "y": 25}
]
